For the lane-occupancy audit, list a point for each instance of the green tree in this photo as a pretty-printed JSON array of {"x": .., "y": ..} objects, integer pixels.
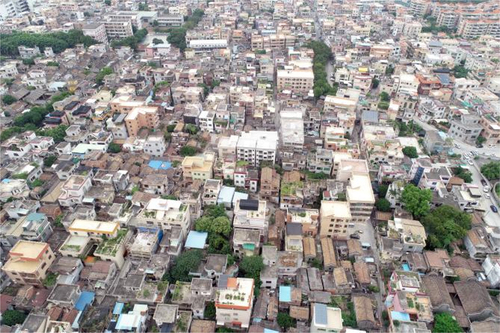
[
  {"x": 251, "y": 267},
  {"x": 445, "y": 225},
  {"x": 102, "y": 73},
  {"x": 53, "y": 64},
  {"x": 114, "y": 148},
  {"x": 218, "y": 244},
  {"x": 460, "y": 71},
  {"x": 219, "y": 225},
  {"x": 285, "y": 321},
  {"x": 50, "y": 280},
  {"x": 57, "y": 133},
  {"x": 410, "y": 151},
  {"x": 480, "y": 140},
  {"x": 445, "y": 323},
  {"x": 170, "y": 128},
  {"x": 209, "y": 313},
  {"x": 416, "y": 200},
  {"x": 383, "y": 205},
  {"x": 383, "y": 105},
  {"x": 191, "y": 129},
  {"x": 49, "y": 160},
  {"x": 215, "y": 211},
  {"x": 491, "y": 170},
  {"x": 107, "y": 2},
  {"x": 157, "y": 41},
  {"x": 187, "y": 261},
  {"x": 8, "y": 99},
  {"x": 13, "y": 317},
  {"x": 384, "y": 97},
  {"x": 382, "y": 190},
  {"x": 465, "y": 174},
  {"x": 375, "y": 83},
  {"x": 188, "y": 151}
]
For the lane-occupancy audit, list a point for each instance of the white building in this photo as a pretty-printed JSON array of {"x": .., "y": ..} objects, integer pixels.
[
  {"x": 207, "y": 44},
  {"x": 491, "y": 266},
  {"x": 155, "y": 145},
  {"x": 257, "y": 146},
  {"x": 292, "y": 130},
  {"x": 234, "y": 302},
  {"x": 325, "y": 318}
]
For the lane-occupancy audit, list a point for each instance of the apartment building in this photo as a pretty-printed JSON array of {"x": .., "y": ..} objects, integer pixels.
[
  {"x": 96, "y": 31},
  {"x": 296, "y": 80},
  {"x": 93, "y": 229},
  {"x": 118, "y": 29},
  {"x": 234, "y": 302},
  {"x": 34, "y": 227},
  {"x": 474, "y": 28},
  {"x": 28, "y": 262},
  {"x": 257, "y": 146},
  {"x": 419, "y": 7},
  {"x": 165, "y": 214},
  {"x": 170, "y": 20},
  {"x": 273, "y": 41},
  {"x": 336, "y": 218},
  {"x": 73, "y": 190},
  {"x": 466, "y": 129},
  {"x": 155, "y": 145},
  {"x": 269, "y": 185},
  {"x": 207, "y": 44},
  {"x": 326, "y": 319},
  {"x": 141, "y": 116},
  {"x": 198, "y": 167},
  {"x": 360, "y": 197},
  {"x": 491, "y": 130},
  {"x": 292, "y": 130},
  {"x": 251, "y": 214}
]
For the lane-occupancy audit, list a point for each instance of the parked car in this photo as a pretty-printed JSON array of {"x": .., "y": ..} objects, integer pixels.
[
  {"x": 487, "y": 196},
  {"x": 470, "y": 162},
  {"x": 484, "y": 182},
  {"x": 354, "y": 236},
  {"x": 494, "y": 208},
  {"x": 486, "y": 189}
]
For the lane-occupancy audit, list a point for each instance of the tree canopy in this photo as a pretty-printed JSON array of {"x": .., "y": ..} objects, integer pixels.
[
  {"x": 285, "y": 321},
  {"x": 251, "y": 266},
  {"x": 131, "y": 41},
  {"x": 13, "y": 317},
  {"x": 445, "y": 323},
  {"x": 411, "y": 152},
  {"x": 322, "y": 55},
  {"x": 186, "y": 262},
  {"x": 8, "y": 99},
  {"x": 491, "y": 170},
  {"x": 416, "y": 200},
  {"x": 177, "y": 36},
  {"x": 219, "y": 225},
  {"x": 445, "y": 225},
  {"x": 383, "y": 205},
  {"x": 465, "y": 174},
  {"x": 188, "y": 151},
  {"x": 114, "y": 148},
  {"x": 58, "y": 41}
]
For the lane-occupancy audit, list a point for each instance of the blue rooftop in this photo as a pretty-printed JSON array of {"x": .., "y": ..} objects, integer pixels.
[
  {"x": 226, "y": 195},
  {"x": 400, "y": 316},
  {"x": 320, "y": 315},
  {"x": 118, "y": 308},
  {"x": 6, "y": 180},
  {"x": 35, "y": 217},
  {"x": 86, "y": 298},
  {"x": 160, "y": 165},
  {"x": 285, "y": 294},
  {"x": 267, "y": 330},
  {"x": 196, "y": 239}
]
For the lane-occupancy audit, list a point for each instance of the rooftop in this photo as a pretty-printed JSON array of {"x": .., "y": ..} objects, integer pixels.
[
  {"x": 237, "y": 293},
  {"x": 98, "y": 227}
]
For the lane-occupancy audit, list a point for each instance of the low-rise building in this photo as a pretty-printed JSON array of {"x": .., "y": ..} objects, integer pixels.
[{"x": 234, "y": 302}]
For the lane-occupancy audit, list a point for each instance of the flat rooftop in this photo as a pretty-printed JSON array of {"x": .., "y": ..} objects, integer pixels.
[
  {"x": 100, "y": 227},
  {"x": 238, "y": 293},
  {"x": 360, "y": 189}
]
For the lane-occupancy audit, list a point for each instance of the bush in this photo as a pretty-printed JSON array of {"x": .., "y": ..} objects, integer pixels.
[
  {"x": 383, "y": 205},
  {"x": 114, "y": 148},
  {"x": 8, "y": 99},
  {"x": 188, "y": 151},
  {"x": 411, "y": 152},
  {"x": 285, "y": 321},
  {"x": 13, "y": 317}
]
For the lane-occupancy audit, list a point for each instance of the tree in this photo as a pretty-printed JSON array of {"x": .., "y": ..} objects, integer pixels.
[
  {"x": 114, "y": 148},
  {"x": 383, "y": 205},
  {"x": 389, "y": 70},
  {"x": 50, "y": 280},
  {"x": 384, "y": 97},
  {"x": 218, "y": 244},
  {"x": 157, "y": 41},
  {"x": 209, "y": 312},
  {"x": 480, "y": 140},
  {"x": 460, "y": 172},
  {"x": 107, "y": 2},
  {"x": 445, "y": 225},
  {"x": 13, "y": 317},
  {"x": 215, "y": 211},
  {"x": 219, "y": 225},
  {"x": 57, "y": 133},
  {"x": 102, "y": 73},
  {"x": 170, "y": 128},
  {"x": 186, "y": 262},
  {"x": 445, "y": 323},
  {"x": 8, "y": 99},
  {"x": 251, "y": 267},
  {"x": 383, "y": 105},
  {"x": 382, "y": 190},
  {"x": 416, "y": 200},
  {"x": 188, "y": 151},
  {"x": 49, "y": 160},
  {"x": 285, "y": 321},
  {"x": 411, "y": 152},
  {"x": 491, "y": 170},
  {"x": 191, "y": 129},
  {"x": 375, "y": 83}
]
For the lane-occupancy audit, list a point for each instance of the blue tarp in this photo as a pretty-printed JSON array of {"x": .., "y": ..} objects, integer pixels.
[
  {"x": 160, "y": 165},
  {"x": 118, "y": 308},
  {"x": 196, "y": 239},
  {"x": 86, "y": 298},
  {"x": 400, "y": 316}
]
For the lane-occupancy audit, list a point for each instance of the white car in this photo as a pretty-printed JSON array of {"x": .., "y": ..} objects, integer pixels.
[
  {"x": 470, "y": 162},
  {"x": 486, "y": 189},
  {"x": 487, "y": 196}
]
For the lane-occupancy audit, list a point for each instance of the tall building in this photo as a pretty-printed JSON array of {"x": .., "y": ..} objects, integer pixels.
[
  {"x": 28, "y": 262},
  {"x": 10, "y": 8},
  {"x": 139, "y": 117}
]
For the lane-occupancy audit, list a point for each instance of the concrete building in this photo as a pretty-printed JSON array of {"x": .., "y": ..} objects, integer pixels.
[
  {"x": 325, "y": 318},
  {"x": 155, "y": 145},
  {"x": 73, "y": 190},
  {"x": 234, "y": 302},
  {"x": 165, "y": 214},
  {"x": 118, "y": 29},
  {"x": 299, "y": 81},
  {"x": 491, "y": 266},
  {"x": 257, "y": 146},
  {"x": 142, "y": 116},
  {"x": 466, "y": 129},
  {"x": 292, "y": 130},
  {"x": 251, "y": 214},
  {"x": 335, "y": 217},
  {"x": 198, "y": 167},
  {"x": 96, "y": 31},
  {"x": 28, "y": 262}
]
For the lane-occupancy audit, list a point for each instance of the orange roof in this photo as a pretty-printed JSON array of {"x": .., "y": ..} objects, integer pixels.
[{"x": 232, "y": 283}]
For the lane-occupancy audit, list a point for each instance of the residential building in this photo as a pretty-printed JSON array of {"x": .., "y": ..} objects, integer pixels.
[
  {"x": 73, "y": 190},
  {"x": 257, "y": 146},
  {"x": 198, "y": 167},
  {"x": 335, "y": 217},
  {"x": 234, "y": 302},
  {"x": 165, "y": 214},
  {"x": 141, "y": 116},
  {"x": 466, "y": 129},
  {"x": 491, "y": 266},
  {"x": 155, "y": 145},
  {"x": 360, "y": 197},
  {"x": 269, "y": 185},
  {"x": 251, "y": 214},
  {"x": 325, "y": 318},
  {"x": 28, "y": 262},
  {"x": 96, "y": 31},
  {"x": 296, "y": 80}
]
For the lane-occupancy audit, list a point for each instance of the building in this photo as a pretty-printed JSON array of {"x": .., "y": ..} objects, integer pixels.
[
  {"x": 299, "y": 81},
  {"x": 155, "y": 145},
  {"x": 257, "y": 146},
  {"x": 207, "y": 44},
  {"x": 165, "y": 214},
  {"x": 335, "y": 219},
  {"x": 251, "y": 214},
  {"x": 73, "y": 190},
  {"x": 269, "y": 185},
  {"x": 28, "y": 262},
  {"x": 141, "y": 116},
  {"x": 118, "y": 29},
  {"x": 198, "y": 167},
  {"x": 325, "y": 318},
  {"x": 491, "y": 266},
  {"x": 466, "y": 129},
  {"x": 170, "y": 20},
  {"x": 292, "y": 130},
  {"x": 234, "y": 302},
  {"x": 360, "y": 197},
  {"x": 96, "y": 31}
]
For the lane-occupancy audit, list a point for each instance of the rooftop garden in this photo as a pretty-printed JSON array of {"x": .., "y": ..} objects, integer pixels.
[
  {"x": 290, "y": 188},
  {"x": 109, "y": 246}
]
